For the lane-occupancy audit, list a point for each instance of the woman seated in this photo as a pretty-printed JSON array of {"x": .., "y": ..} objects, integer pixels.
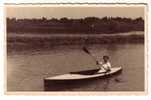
[{"x": 105, "y": 65}]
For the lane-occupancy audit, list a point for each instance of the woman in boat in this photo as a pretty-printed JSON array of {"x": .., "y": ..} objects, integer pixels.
[{"x": 105, "y": 65}]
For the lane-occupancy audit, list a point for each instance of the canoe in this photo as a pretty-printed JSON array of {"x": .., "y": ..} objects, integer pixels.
[
  {"x": 83, "y": 75},
  {"x": 77, "y": 79}
]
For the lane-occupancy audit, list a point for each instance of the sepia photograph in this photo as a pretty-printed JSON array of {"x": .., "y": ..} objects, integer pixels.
[{"x": 76, "y": 48}]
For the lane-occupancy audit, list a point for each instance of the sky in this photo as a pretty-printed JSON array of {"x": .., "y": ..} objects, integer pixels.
[{"x": 75, "y": 12}]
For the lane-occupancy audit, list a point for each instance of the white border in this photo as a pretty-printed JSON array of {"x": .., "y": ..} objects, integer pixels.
[
  {"x": 76, "y": 1},
  {"x": 6, "y": 97}
]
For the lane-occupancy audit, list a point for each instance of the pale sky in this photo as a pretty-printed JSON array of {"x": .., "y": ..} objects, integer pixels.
[{"x": 73, "y": 12}]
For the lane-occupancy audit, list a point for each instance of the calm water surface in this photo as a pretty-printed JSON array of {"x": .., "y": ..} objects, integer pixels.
[{"x": 26, "y": 70}]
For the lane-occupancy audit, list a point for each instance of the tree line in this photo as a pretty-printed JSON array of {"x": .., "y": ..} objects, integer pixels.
[{"x": 88, "y": 25}]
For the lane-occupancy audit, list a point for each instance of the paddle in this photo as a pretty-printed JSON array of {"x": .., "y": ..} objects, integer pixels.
[{"x": 89, "y": 53}]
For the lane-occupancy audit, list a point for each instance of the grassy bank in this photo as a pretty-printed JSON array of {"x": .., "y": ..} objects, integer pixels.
[{"x": 33, "y": 43}]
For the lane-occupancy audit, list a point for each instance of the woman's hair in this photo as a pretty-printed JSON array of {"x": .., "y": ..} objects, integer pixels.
[{"x": 106, "y": 57}]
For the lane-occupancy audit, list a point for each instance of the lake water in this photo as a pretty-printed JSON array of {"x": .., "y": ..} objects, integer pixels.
[{"x": 26, "y": 70}]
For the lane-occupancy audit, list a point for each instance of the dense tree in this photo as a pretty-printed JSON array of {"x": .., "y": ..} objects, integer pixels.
[{"x": 87, "y": 25}]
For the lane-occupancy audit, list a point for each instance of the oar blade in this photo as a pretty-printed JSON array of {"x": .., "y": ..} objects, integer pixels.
[{"x": 86, "y": 50}]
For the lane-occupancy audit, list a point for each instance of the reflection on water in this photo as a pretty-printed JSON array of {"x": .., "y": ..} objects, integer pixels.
[
  {"x": 26, "y": 71},
  {"x": 106, "y": 85}
]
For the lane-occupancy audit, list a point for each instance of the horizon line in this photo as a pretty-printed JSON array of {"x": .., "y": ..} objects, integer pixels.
[{"x": 77, "y": 18}]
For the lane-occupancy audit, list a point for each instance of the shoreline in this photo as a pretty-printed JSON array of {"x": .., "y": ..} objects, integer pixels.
[{"x": 42, "y": 42}]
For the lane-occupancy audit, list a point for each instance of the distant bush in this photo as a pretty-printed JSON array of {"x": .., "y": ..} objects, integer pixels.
[{"x": 88, "y": 25}]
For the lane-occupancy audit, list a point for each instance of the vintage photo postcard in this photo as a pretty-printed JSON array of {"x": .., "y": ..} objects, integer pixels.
[{"x": 73, "y": 49}]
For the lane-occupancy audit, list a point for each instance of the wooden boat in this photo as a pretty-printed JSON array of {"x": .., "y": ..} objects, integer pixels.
[
  {"x": 72, "y": 79},
  {"x": 84, "y": 74}
]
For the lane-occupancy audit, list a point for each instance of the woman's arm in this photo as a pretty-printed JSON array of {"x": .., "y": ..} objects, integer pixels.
[{"x": 98, "y": 63}]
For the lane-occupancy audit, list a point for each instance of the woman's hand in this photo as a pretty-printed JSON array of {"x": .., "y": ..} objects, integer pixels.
[{"x": 98, "y": 63}]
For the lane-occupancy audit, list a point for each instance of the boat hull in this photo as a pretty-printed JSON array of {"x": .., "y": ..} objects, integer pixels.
[{"x": 72, "y": 80}]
